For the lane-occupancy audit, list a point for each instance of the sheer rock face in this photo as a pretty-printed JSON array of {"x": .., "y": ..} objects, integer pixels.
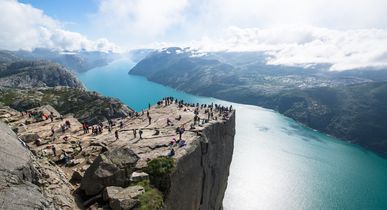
[
  {"x": 200, "y": 179},
  {"x": 17, "y": 174},
  {"x": 27, "y": 183},
  {"x": 112, "y": 168}
]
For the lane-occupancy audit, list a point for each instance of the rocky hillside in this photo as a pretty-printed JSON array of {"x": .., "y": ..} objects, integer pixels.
[
  {"x": 26, "y": 84},
  {"x": 31, "y": 74},
  {"x": 27, "y": 182},
  {"x": 348, "y": 105},
  {"x": 86, "y": 106}
]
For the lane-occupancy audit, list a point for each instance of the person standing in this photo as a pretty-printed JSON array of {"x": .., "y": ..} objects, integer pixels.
[{"x": 116, "y": 134}]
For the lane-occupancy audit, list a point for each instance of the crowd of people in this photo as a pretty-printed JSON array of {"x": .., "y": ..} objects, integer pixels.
[{"x": 211, "y": 111}]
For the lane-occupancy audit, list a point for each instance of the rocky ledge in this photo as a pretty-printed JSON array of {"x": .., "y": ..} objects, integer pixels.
[{"x": 171, "y": 156}]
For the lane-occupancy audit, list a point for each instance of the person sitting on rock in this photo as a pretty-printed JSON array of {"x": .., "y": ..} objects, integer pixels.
[
  {"x": 157, "y": 132},
  {"x": 181, "y": 143},
  {"x": 65, "y": 158},
  {"x": 172, "y": 142},
  {"x": 121, "y": 124},
  {"x": 169, "y": 122},
  {"x": 171, "y": 153},
  {"x": 68, "y": 124},
  {"x": 178, "y": 118}
]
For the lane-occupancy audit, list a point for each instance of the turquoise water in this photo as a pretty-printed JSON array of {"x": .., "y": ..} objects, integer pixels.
[{"x": 277, "y": 163}]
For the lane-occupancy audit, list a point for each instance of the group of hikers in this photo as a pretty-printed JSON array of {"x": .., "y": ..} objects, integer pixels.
[{"x": 211, "y": 111}]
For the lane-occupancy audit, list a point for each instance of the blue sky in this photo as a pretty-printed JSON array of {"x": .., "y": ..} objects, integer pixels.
[
  {"x": 73, "y": 13},
  {"x": 346, "y": 33}
]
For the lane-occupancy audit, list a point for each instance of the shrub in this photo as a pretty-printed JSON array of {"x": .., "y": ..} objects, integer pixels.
[
  {"x": 159, "y": 170},
  {"x": 151, "y": 199}
]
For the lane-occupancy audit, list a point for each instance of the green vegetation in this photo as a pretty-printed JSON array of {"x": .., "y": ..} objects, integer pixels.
[
  {"x": 86, "y": 106},
  {"x": 151, "y": 199},
  {"x": 159, "y": 171}
]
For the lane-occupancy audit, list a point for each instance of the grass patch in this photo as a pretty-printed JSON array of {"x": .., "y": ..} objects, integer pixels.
[
  {"x": 151, "y": 199},
  {"x": 159, "y": 171}
]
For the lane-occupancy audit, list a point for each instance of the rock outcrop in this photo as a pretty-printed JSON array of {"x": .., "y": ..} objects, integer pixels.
[
  {"x": 17, "y": 175},
  {"x": 112, "y": 168},
  {"x": 28, "y": 183},
  {"x": 127, "y": 171},
  {"x": 123, "y": 198},
  {"x": 200, "y": 178}
]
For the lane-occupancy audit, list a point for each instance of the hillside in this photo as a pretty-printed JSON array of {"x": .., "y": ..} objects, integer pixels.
[
  {"x": 26, "y": 84},
  {"x": 348, "y": 105},
  {"x": 76, "y": 61},
  {"x": 30, "y": 74}
]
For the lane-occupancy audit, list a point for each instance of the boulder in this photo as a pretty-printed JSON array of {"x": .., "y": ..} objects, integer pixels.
[
  {"x": 123, "y": 198},
  {"x": 111, "y": 168},
  {"x": 29, "y": 137},
  {"x": 77, "y": 176},
  {"x": 138, "y": 176}
]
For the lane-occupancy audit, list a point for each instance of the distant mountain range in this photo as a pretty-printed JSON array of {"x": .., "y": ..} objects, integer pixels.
[
  {"x": 77, "y": 61},
  {"x": 350, "y": 105}
]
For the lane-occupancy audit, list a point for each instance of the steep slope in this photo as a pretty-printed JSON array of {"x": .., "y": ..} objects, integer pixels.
[{"x": 23, "y": 179}]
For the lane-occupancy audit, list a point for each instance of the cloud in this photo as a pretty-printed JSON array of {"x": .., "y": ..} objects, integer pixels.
[
  {"x": 292, "y": 32},
  {"x": 25, "y": 27},
  {"x": 137, "y": 20},
  {"x": 302, "y": 45}
]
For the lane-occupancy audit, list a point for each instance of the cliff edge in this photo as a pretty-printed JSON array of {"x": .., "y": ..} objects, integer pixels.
[{"x": 174, "y": 155}]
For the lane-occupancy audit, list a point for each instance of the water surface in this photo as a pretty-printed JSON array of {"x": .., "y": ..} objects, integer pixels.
[{"x": 277, "y": 163}]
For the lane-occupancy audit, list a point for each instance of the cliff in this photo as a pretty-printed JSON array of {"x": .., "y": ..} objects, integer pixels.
[
  {"x": 206, "y": 166},
  {"x": 117, "y": 170}
]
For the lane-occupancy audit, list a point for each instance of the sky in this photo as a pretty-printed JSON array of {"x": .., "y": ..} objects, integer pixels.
[{"x": 345, "y": 33}]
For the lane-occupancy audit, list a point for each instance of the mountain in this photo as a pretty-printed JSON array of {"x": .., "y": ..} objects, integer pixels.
[
  {"x": 77, "y": 61},
  {"x": 348, "y": 104},
  {"x": 25, "y": 84},
  {"x": 29, "y": 74}
]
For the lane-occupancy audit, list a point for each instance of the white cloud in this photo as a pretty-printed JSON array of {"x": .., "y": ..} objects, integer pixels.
[
  {"x": 302, "y": 45},
  {"x": 137, "y": 20},
  {"x": 25, "y": 27}
]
